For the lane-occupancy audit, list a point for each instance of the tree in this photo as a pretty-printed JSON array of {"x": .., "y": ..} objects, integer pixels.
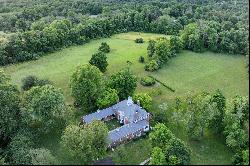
[
  {"x": 9, "y": 109},
  {"x": 42, "y": 156},
  {"x": 235, "y": 117},
  {"x": 241, "y": 158},
  {"x": 173, "y": 160},
  {"x": 107, "y": 98},
  {"x": 151, "y": 48},
  {"x": 19, "y": 149},
  {"x": 87, "y": 85},
  {"x": 176, "y": 44},
  {"x": 44, "y": 108},
  {"x": 86, "y": 143},
  {"x": 163, "y": 50},
  {"x": 191, "y": 37},
  {"x": 177, "y": 148},
  {"x": 151, "y": 66},
  {"x": 104, "y": 47},
  {"x": 201, "y": 111},
  {"x": 144, "y": 100},
  {"x": 216, "y": 123},
  {"x": 124, "y": 82},
  {"x": 157, "y": 157},
  {"x": 99, "y": 60},
  {"x": 160, "y": 136}
]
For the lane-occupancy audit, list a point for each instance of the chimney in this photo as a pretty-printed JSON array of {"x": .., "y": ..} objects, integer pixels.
[{"x": 130, "y": 101}]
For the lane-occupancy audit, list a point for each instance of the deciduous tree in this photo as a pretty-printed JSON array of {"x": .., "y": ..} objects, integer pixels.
[{"x": 87, "y": 85}]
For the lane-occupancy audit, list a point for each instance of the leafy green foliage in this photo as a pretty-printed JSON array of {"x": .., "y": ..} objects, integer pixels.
[
  {"x": 141, "y": 59},
  {"x": 139, "y": 40},
  {"x": 151, "y": 48},
  {"x": 234, "y": 121},
  {"x": 104, "y": 47},
  {"x": 147, "y": 81},
  {"x": 19, "y": 149},
  {"x": 152, "y": 66},
  {"x": 44, "y": 108},
  {"x": 9, "y": 109},
  {"x": 163, "y": 50},
  {"x": 107, "y": 98},
  {"x": 30, "y": 81},
  {"x": 100, "y": 61},
  {"x": 86, "y": 143},
  {"x": 216, "y": 123},
  {"x": 86, "y": 86},
  {"x": 176, "y": 44},
  {"x": 124, "y": 82},
  {"x": 42, "y": 156},
  {"x": 162, "y": 137},
  {"x": 177, "y": 148},
  {"x": 157, "y": 157},
  {"x": 144, "y": 99},
  {"x": 201, "y": 111}
]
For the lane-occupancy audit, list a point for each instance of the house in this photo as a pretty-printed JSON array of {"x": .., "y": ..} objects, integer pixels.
[{"x": 135, "y": 121}]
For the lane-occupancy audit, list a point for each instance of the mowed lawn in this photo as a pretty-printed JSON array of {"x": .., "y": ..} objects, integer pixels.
[{"x": 187, "y": 73}]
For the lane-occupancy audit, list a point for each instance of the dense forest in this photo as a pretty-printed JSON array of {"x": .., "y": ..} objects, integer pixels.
[
  {"x": 38, "y": 27},
  {"x": 30, "y": 29}
]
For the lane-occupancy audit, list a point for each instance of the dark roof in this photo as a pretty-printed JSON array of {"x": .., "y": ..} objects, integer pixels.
[
  {"x": 128, "y": 111},
  {"x": 125, "y": 130},
  {"x": 106, "y": 161},
  {"x": 99, "y": 115}
]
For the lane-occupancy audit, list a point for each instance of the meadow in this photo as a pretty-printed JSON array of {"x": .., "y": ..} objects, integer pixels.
[{"x": 187, "y": 73}]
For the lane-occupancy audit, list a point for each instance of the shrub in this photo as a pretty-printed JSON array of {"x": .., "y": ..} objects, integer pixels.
[
  {"x": 144, "y": 100},
  {"x": 139, "y": 40},
  {"x": 147, "y": 81},
  {"x": 107, "y": 98},
  {"x": 151, "y": 66},
  {"x": 141, "y": 59},
  {"x": 99, "y": 60},
  {"x": 19, "y": 149},
  {"x": 104, "y": 47},
  {"x": 30, "y": 81}
]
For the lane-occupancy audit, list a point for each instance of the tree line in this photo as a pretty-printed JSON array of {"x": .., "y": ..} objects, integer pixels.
[{"x": 199, "y": 31}]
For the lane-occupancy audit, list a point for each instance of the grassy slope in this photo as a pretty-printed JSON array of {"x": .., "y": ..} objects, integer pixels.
[{"x": 187, "y": 73}]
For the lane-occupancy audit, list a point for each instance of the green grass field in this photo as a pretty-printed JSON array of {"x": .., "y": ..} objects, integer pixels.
[{"x": 189, "y": 72}]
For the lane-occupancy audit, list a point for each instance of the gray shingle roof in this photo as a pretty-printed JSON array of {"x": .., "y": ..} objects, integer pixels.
[
  {"x": 99, "y": 115},
  {"x": 125, "y": 130},
  {"x": 129, "y": 112}
]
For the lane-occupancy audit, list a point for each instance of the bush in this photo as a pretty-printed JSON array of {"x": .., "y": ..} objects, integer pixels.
[
  {"x": 99, "y": 60},
  {"x": 147, "y": 81},
  {"x": 141, "y": 59},
  {"x": 104, "y": 47},
  {"x": 151, "y": 66},
  {"x": 139, "y": 40},
  {"x": 19, "y": 149},
  {"x": 30, "y": 81},
  {"x": 144, "y": 100},
  {"x": 107, "y": 98}
]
